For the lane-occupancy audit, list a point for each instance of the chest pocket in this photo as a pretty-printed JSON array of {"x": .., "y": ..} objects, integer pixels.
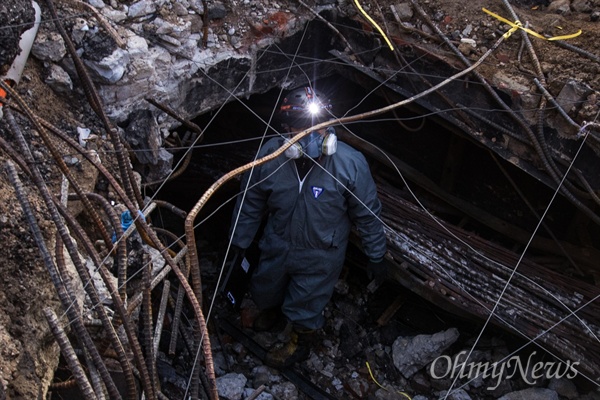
[{"x": 326, "y": 222}]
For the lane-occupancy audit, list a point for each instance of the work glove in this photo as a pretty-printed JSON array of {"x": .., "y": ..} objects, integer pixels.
[{"x": 377, "y": 270}]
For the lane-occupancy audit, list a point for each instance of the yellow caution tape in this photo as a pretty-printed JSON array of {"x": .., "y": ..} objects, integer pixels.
[
  {"x": 517, "y": 25},
  {"x": 374, "y": 24},
  {"x": 378, "y": 384}
]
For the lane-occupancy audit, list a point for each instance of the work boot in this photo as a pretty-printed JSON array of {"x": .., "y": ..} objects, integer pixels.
[
  {"x": 271, "y": 319},
  {"x": 297, "y": 349}
]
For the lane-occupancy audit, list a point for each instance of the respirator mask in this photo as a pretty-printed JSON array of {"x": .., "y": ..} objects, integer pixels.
[{"x": 314, "y": 145}]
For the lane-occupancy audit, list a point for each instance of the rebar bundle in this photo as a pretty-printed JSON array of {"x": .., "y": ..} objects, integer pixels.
[{"x": 467, "y": 274}]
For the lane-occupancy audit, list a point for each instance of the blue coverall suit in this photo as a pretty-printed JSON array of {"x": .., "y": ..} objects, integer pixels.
[{"x": 309, "y": 221}]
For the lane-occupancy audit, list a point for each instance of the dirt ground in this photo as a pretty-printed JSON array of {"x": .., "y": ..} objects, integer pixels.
[
  {"x": 557, "y": 64},
  {"x": 24, "y": 285}
]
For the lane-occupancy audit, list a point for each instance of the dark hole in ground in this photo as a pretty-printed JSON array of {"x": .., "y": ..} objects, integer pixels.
[
  {"x": 232, "y": 138},
  {"x": 463, "y": 168}
]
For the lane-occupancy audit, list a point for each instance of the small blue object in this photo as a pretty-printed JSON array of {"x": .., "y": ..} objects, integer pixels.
[{"x": 126, "y": 222}]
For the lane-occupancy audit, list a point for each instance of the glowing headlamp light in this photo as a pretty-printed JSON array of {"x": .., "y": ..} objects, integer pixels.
[{"x": 314, "y": 109}]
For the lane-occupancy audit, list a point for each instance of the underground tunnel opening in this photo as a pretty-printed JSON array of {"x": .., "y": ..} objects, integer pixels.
[
  {"x": 475, "y": 188},
  {"x": 462, "y": 168}
]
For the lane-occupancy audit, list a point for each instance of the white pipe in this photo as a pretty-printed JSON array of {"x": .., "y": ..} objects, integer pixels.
[{"x": 13, "y": 76}]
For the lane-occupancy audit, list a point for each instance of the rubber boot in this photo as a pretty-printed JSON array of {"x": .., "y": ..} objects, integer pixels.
[
  {"x": 297, "y": 349},
  {"x": 271, "y": 319}
]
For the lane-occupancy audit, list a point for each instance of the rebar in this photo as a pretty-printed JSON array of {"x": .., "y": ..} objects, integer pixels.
[
  {"x": 189, "y": 222},
  {"x": 195, "y": 128},
  {"x": 160, "y": 317},
  {"x": 540, "y": 147},
  {"x": 102, "y": 20},
  {"x": 58, "y": 159},
  {"x": 95, "y": 378},
  {"x": 182, "y": 167},
  {"x": 180, "y": 294},
  {"x": 147, "y": 322},
  {"x": 540, "y": 82},
  {"x": 82, "y": 270},
  {"x": 64, "y": 293},
  {"x": 555, "y": 104},
  {"x": 133, "y": 341},
  {"x": 178, "y": 309},
  {"x": 96, "y": 104},
  {"x": 525, "y": 38},
  {"x": 136, "y": 300},
  {"x": 494, "y": 125},
  {"x": 69, "y": 355},
  {"x": 55, "y": 206},
  {"x": 106, "y": 323},
  {"x": 581, "y": 52},
  {"x": 151, "y": 238},
  {"x": 443, "y": 258},
  {"x": 171, "y": 207},
  {"x": 120, "y": 242},
  {"x": 68, "y": 384},
  {"x": 535, "y": 213}
]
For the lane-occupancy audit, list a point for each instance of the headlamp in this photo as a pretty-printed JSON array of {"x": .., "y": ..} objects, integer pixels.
[{"x": 313, "y": 108}]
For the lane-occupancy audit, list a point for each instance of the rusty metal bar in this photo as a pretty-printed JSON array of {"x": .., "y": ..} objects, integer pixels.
[
  {"x": 146, "y": 316},
  {"x": 61, "y": 229},
  {"x": 160, "y": 317},
  {"x": 125, "y": 169},
  {"x": 69, "y": 355}
]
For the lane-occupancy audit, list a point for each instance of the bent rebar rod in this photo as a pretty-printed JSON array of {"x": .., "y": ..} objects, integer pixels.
[
  {"x": 59, "y": 161},
  {"x": 121, "y": 253},
  {"x": 59, "y": 284},
  {"x": 69, "y": 354},
  {"x": 189, "y": 221},
  {"x": 146, "y": 317},
  {"x": 160, "y": 317},
  {"x": 149, "y": 239},
  {"x": 55, "y": 206},
  {"x": 539, "y": 147},
  {"x": 62, "y": 286},
  {"x": 111, "y": 330},
  {"x": 95, "y": 380}
]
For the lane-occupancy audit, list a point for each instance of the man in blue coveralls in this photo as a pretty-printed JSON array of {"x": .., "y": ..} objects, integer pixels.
[{"x": 312, "y": 196}]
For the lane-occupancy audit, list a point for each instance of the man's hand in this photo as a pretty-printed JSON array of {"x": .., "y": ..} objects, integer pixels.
[{"x": 377, "y": 270}]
